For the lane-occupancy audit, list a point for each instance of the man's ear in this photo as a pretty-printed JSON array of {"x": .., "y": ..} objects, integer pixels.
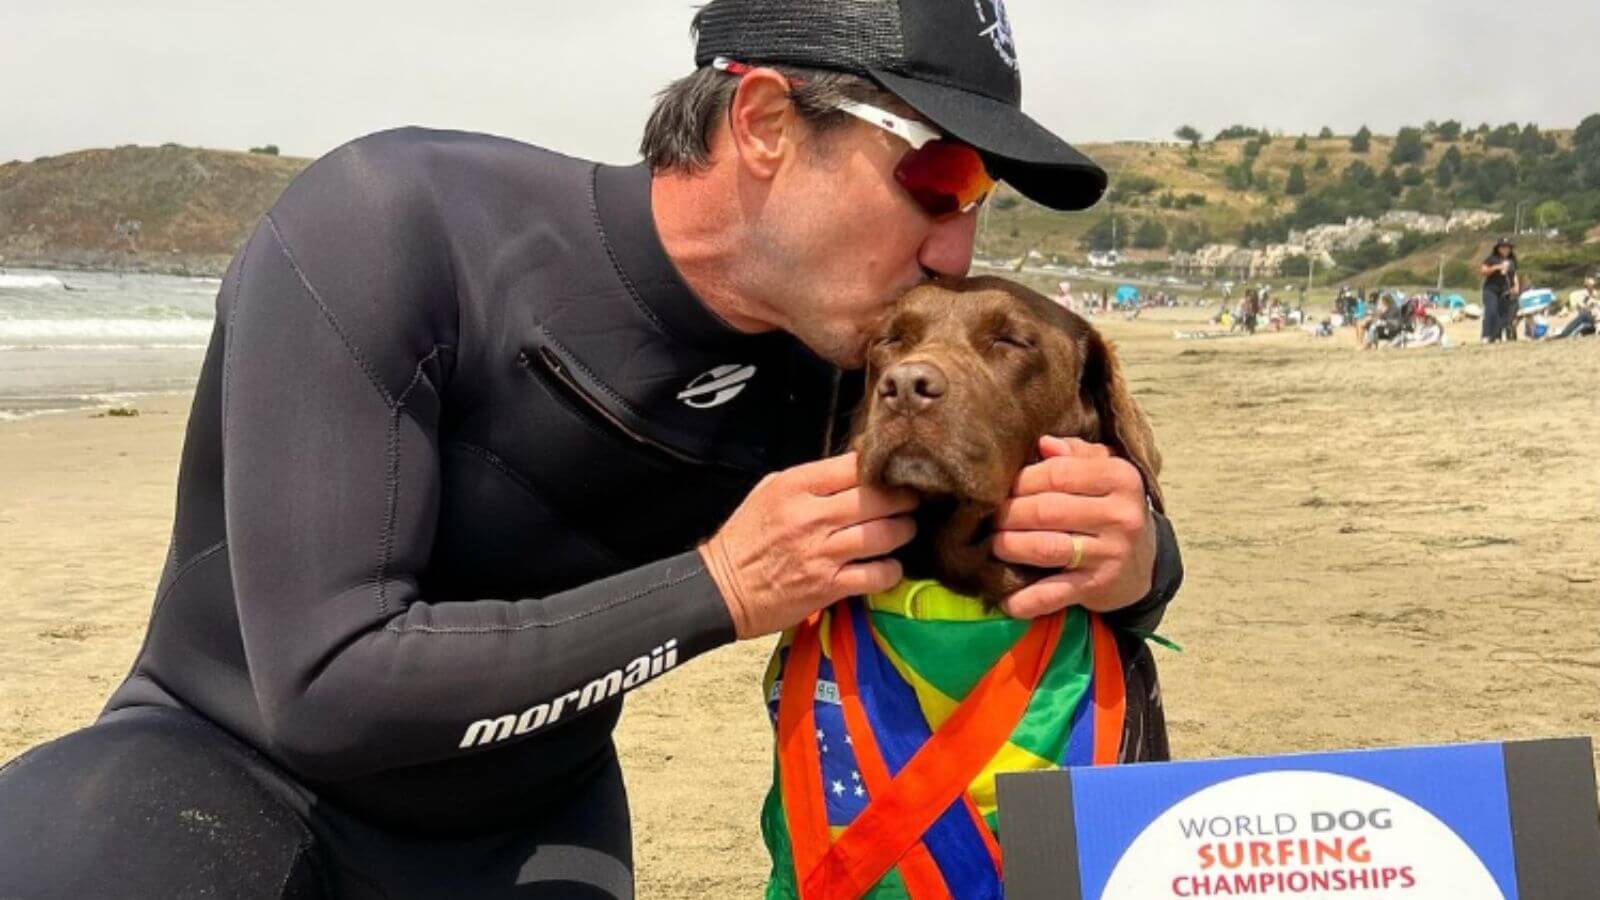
[
  {"x": 1122, "y": 424},
  {"x": 762, "y": 122}
]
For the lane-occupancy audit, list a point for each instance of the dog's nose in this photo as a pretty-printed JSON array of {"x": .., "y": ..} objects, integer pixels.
[{"x": 912, "y": 387}]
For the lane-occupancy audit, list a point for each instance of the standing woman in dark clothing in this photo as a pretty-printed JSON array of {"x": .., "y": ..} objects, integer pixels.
[{"x": 1499, "y": 273}]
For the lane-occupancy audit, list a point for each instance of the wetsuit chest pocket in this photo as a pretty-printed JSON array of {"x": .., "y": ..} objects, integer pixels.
[
  {"x": 548, "y": 367},
  {"x": 576, "y": 386}
]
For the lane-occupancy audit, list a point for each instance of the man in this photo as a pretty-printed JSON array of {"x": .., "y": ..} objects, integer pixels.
[{"x": 469, "y": 407}]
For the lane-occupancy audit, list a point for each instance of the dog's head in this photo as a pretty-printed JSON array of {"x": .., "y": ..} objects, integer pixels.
[{"x": 963, "y": 378}]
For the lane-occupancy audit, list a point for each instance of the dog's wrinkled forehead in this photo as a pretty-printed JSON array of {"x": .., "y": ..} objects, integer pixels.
[{"x": 970, "y": 305}]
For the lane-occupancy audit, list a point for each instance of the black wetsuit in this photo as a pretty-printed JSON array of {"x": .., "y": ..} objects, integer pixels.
[{"x": 457, "y": 433}]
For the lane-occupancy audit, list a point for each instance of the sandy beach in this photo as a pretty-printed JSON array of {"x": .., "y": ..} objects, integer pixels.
[{"x": 1382, "y": 549}]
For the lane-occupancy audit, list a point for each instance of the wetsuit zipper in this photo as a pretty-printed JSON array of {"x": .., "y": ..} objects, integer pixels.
[{"x": 551, "y": 365}]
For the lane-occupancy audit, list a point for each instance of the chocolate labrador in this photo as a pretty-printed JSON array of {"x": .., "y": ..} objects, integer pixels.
[{"x": 964, "y": 377}]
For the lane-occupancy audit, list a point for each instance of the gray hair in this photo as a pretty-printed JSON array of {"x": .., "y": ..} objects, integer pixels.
[{"x": 677, "y": 135}]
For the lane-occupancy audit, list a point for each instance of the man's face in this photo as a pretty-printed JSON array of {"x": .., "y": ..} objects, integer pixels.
[{"x": 845, "y": 240}]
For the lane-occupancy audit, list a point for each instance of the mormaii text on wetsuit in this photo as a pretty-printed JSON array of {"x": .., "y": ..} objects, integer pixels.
[{"x": 612, "y": 683}]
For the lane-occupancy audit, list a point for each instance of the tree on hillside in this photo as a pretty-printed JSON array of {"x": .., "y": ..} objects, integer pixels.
[
  {"x": 1359, "y": 174},
  {"x": 1300, "y": 143},
  {"x": 1504, "y": 136},
  {"x": 1486, "y": 178},
  {"x": 1189, "y": 133},
  {"x": 1362, "y": 142},
  {"x": 1449, "y": 167},
  {"x": 1586, "y": 149},
  {"x": 1551, "y": 214},
  {"x": 1411, "y": 177},
  {"x": 1267, "y": 231},
  {"x": 1297, "y": 181},
  {"x": 1372, "y": 253},
  {"x": 1321, "y": 165},
  {"x": 1233, "y": 132},
  {"x": 1407, "y": 147},
  {"x": 1532, "y": 143},
  {"x": 1587, "y": 133},
  {"x": 1252, "y": 149},
  {"x": 1099, "y": 236},
  {"x": 1150, "y": 235},
  {"x": 267, "y": 150},
  {"x": 1390, "y": 183},
  {"x": 1449, "y": 131},
  {"x": 1325, "y": 133},
  {"x": 1423, "y": 198}
]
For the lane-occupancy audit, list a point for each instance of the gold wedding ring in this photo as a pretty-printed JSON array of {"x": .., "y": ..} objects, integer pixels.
[{"x": 1077, "y": 551}]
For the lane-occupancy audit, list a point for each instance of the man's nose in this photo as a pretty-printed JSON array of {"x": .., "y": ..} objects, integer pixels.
[
  {"x": 912, "y": 387},
  {"x": 948, "y": 247}
]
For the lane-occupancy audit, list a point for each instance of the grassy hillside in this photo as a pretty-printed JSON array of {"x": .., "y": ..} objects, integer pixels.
[
  {"x": 165, "y": 208},
  {"x": 178, "y": 208},
  {"x": 1010, "y": 230}
]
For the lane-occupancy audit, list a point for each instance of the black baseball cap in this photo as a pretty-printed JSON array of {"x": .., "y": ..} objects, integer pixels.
[{"x": 953, "y": 61}]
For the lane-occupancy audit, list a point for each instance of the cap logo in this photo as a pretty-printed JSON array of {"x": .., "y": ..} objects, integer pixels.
[{"x": 997, "y": 28}]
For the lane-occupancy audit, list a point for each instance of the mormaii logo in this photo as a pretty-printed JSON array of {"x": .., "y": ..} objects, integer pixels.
[
  {"x": 612, "y": 683},
  {"x": 717, "y": 386}
]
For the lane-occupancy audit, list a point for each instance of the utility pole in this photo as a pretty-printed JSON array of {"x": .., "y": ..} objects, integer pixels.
[{"x": 1440, "y": 286}]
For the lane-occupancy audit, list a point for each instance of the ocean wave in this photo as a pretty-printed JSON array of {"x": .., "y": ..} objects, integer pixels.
[
  {"x": 29, "y": 281},
  {"x": 17, "y": 331}
]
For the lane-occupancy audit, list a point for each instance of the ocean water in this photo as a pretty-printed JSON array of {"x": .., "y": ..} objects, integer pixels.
[{"x": 71, "y": 340}]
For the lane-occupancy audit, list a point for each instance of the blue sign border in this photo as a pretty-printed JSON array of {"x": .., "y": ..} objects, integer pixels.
[{"x": 1463, "y": 785}]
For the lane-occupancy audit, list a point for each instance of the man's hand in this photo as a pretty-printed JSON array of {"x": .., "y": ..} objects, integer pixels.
[
  {"x": 1078, "y": 491},
  {"x": 803, "y": 539}
]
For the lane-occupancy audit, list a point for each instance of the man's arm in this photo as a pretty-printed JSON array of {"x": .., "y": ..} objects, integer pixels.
[
  {"x": 340, "y": 342},
  {"x": 341, "y": 338}
]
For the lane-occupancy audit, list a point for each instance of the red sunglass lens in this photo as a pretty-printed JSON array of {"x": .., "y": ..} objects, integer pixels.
[{"x": 943, "y": 177}]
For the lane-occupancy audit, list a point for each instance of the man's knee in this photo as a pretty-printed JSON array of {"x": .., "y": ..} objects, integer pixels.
[{"x": 153, "y": 805}]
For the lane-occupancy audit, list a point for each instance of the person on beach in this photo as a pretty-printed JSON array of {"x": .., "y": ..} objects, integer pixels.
[
  {"x": 1585, "y": 309},
  {"x": 1500, "y": 280},
  {"x": 1385, "y": 325},
  {"x": 487, "y": 437}
]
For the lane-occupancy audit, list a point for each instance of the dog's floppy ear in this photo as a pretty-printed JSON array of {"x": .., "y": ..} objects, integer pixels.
[{"x": 1122, "y": 424}]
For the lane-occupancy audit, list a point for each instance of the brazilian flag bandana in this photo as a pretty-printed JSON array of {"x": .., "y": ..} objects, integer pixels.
[{"x": 893, "y": 714}]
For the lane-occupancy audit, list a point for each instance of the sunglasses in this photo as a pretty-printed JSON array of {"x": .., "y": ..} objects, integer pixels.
[{"x": 944, "y": 177}]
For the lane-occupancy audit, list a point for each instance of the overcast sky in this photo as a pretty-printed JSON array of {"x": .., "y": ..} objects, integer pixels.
[{"x": 578, "y": 76}]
